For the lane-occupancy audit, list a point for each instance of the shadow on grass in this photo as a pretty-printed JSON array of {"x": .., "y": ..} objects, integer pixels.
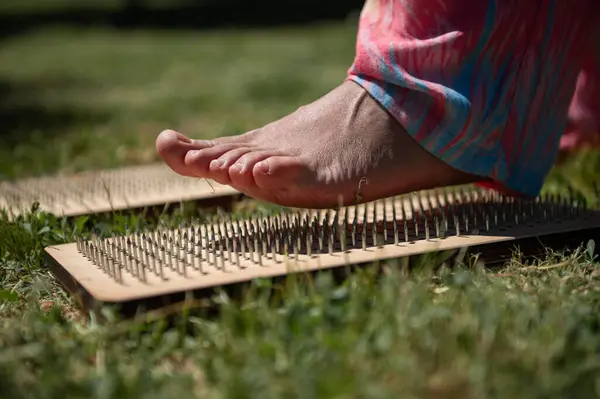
[
  {"x": 26, "y": 118},
  {"x": 185, "y": 15}
]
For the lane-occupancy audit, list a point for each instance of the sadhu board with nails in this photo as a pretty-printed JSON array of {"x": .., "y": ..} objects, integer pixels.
[
  {"x": 149, "y": 265},
  {"x": 95, "y": 192}
]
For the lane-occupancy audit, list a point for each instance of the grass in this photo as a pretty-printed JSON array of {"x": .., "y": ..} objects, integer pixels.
[{"x": 84, "y": 99}]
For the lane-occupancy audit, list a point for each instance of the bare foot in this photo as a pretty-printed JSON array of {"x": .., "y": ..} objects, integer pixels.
[
  {"x": 576, "y": 139},
  {"x": 342, "y": 147}
]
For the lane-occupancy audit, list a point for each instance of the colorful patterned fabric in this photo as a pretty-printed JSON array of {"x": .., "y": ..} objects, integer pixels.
[{"x": 484, "y": 85}]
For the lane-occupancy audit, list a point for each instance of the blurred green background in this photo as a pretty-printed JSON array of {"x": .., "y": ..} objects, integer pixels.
[{"x": 96, "y": 81}]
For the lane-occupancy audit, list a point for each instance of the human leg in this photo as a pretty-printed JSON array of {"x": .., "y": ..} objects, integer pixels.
[
  {"x": 440, "y": 93},
  {"x": 484, "y": 86}
]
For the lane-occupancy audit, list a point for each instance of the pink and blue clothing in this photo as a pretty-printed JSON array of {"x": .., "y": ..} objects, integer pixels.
[{"x": 488, "y": 86}]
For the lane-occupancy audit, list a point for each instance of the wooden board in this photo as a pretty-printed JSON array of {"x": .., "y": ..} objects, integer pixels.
[
  {"x": 108, "y": 190},
  {"x": 219, "y": 254}
]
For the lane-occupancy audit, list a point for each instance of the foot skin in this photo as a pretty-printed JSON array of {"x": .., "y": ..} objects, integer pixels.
[
  {"x": 342, "y": 149},
  {"x": 575, "y": 140}
]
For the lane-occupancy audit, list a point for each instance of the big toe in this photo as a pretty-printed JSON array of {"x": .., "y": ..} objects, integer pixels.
[
  {"x": 172, "y": 147},
  {"x": 279, "y": 173}
]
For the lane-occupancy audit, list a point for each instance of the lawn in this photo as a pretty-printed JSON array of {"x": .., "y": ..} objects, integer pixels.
[{"x": 74, "y": 99}]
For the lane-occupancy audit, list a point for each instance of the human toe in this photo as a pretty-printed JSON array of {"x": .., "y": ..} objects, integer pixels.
[{"x": 173, "y": 146}]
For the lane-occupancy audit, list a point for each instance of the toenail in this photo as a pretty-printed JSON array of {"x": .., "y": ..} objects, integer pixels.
[
  {"x": 263, "y": 167},
  {"x": 237, "y": 167},
  {"x": 215, "y": 165},
  {"x": 193, "y": 153}
]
